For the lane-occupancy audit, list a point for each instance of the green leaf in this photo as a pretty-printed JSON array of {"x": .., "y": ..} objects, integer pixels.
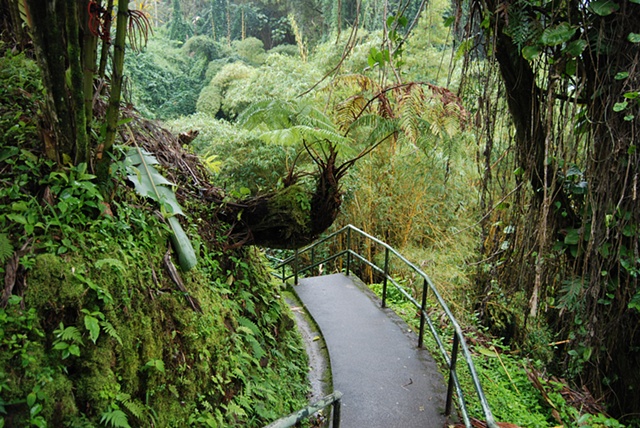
[
  {"x": 632, "y": 95},
  {"x": 31, "y": 399},
  {"x": 634, "y": 37},
  {"x": 182, "y": 244},
  {"x": 530, "y": 52},
  {"x": 572, "y": 238},
  {"x": 617, "y": 107},
  {"x": 576, "y": 47},
  {"x": 155, "y": 364},
  {"x": 635, "y": 302},
  {"x": 621, "y": 75},
  {"x": 92, "y": 324},
  {"x": 603, "y": 7},
  {"x": 553, "y": 36},
  {"x": 74, "y": 350}
]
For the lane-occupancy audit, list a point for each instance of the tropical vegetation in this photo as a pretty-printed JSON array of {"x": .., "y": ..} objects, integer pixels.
[{"x": 493, "y": 143}]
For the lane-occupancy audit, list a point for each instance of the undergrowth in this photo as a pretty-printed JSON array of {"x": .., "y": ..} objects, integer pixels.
[
  {"x": 93, "y": 331},
  {"x": 504, "y": 376}
]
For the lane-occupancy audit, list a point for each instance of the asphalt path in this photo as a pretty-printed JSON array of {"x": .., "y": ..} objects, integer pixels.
[{"x": 386, "y": 380}]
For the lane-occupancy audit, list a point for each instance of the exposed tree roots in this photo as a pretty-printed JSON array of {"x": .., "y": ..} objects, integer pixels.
[{"x": 288, "y": 218}]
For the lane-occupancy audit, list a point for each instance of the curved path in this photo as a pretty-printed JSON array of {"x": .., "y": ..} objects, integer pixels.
[{"x": 386, "y": 380}]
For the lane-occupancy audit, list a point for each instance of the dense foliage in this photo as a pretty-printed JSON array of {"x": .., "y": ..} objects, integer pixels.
[
  {"x": 94, "y": 330},
  {"x": 493, "y": 143}
]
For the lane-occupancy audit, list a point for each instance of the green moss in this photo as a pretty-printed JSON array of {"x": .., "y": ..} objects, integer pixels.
[
  {"x": 294, "y": 202},
  {"x": 59, "y": 398},
  {"x": 51, "y": 285}
]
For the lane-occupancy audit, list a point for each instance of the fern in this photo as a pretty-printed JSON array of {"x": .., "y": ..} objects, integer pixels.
[
  {"x": 349, "y": 110},
  {"x": 380, "y": 127},
  {"x": 246, "y": 322},
  {"x": 110, "y": 330},
  {"x": 68, "y": 334},
  {"x": 133, "y": 406},
  {"x": 115, "y": 418},
  {"x": 358, "y": 82},
  {"x": 6, "y": 249}
]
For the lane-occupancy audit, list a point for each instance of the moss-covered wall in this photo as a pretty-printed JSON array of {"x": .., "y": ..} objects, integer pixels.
[
  {"x": 94, "y": 332},
  {"x": 155, "y": 360}
]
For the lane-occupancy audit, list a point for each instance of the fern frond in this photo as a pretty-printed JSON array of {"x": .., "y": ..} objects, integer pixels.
[
  {"x": 134, "y": 407},
  {"x": 115, "y": 418},
  {"x": 6, "y": 248},
  {"x": 358, "y": 82},
  {"x": 246, "y": 322},
  {"x": 376, "y": 127},
  {"x": 312, "y": 117},
  {"x": 349, "y": 110},
  {"x": 273, "y": 114},
  {"x": 410, "y": 106},
  {"x": 111, "y": 331},
  {"x": 68, "y": 334}
]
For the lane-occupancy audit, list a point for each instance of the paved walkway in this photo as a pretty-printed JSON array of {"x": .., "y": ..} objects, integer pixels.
[{"x": 386, "y": 381}]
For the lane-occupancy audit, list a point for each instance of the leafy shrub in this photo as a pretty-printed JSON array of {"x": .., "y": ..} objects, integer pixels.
[
  {"x": 202, "y": 46},
  {"x": 287, "y": 50},
  {"x": 209, "y": 101},
  {"x": 250, "y": 50},
  {"x": 165, "y": 82}
]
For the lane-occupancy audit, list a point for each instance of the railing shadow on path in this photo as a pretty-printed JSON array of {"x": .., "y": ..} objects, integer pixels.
[{"x": 459, "y": 346}]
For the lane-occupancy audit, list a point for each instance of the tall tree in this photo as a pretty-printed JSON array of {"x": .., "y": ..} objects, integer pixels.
[{"x": 569, "y": 70}]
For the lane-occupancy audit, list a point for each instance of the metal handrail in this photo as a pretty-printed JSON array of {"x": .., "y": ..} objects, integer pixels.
[
  {"x": 295, "y": 417},
  {"x": 459, "y": 342}
]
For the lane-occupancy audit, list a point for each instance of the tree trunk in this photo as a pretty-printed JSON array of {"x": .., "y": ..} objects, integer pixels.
[{"x": 601, "y": 260}]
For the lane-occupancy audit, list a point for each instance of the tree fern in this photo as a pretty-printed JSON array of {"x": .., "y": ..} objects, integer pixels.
[
  {"x": 377, "y": 127},
  {"x": 291, "y": 123},
  {"x": 349, "y": 110}
]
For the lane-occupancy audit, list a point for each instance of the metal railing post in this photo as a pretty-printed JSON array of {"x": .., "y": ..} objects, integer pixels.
[
  {"x": 313, "y": 256},
  {"x": 452, "y": 367},
  {"x": 295, "y": 267},
  {"x": 348, "y": 251},
  {"x": 336, "y": 414},
  {"x": 386, "y": 274},
  {"x": 423, "y": 308}
]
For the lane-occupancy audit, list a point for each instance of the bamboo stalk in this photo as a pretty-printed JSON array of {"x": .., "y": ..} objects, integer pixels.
[
  {"x": 113, "y": 110},
  {"x": 76, "y": 77}
]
